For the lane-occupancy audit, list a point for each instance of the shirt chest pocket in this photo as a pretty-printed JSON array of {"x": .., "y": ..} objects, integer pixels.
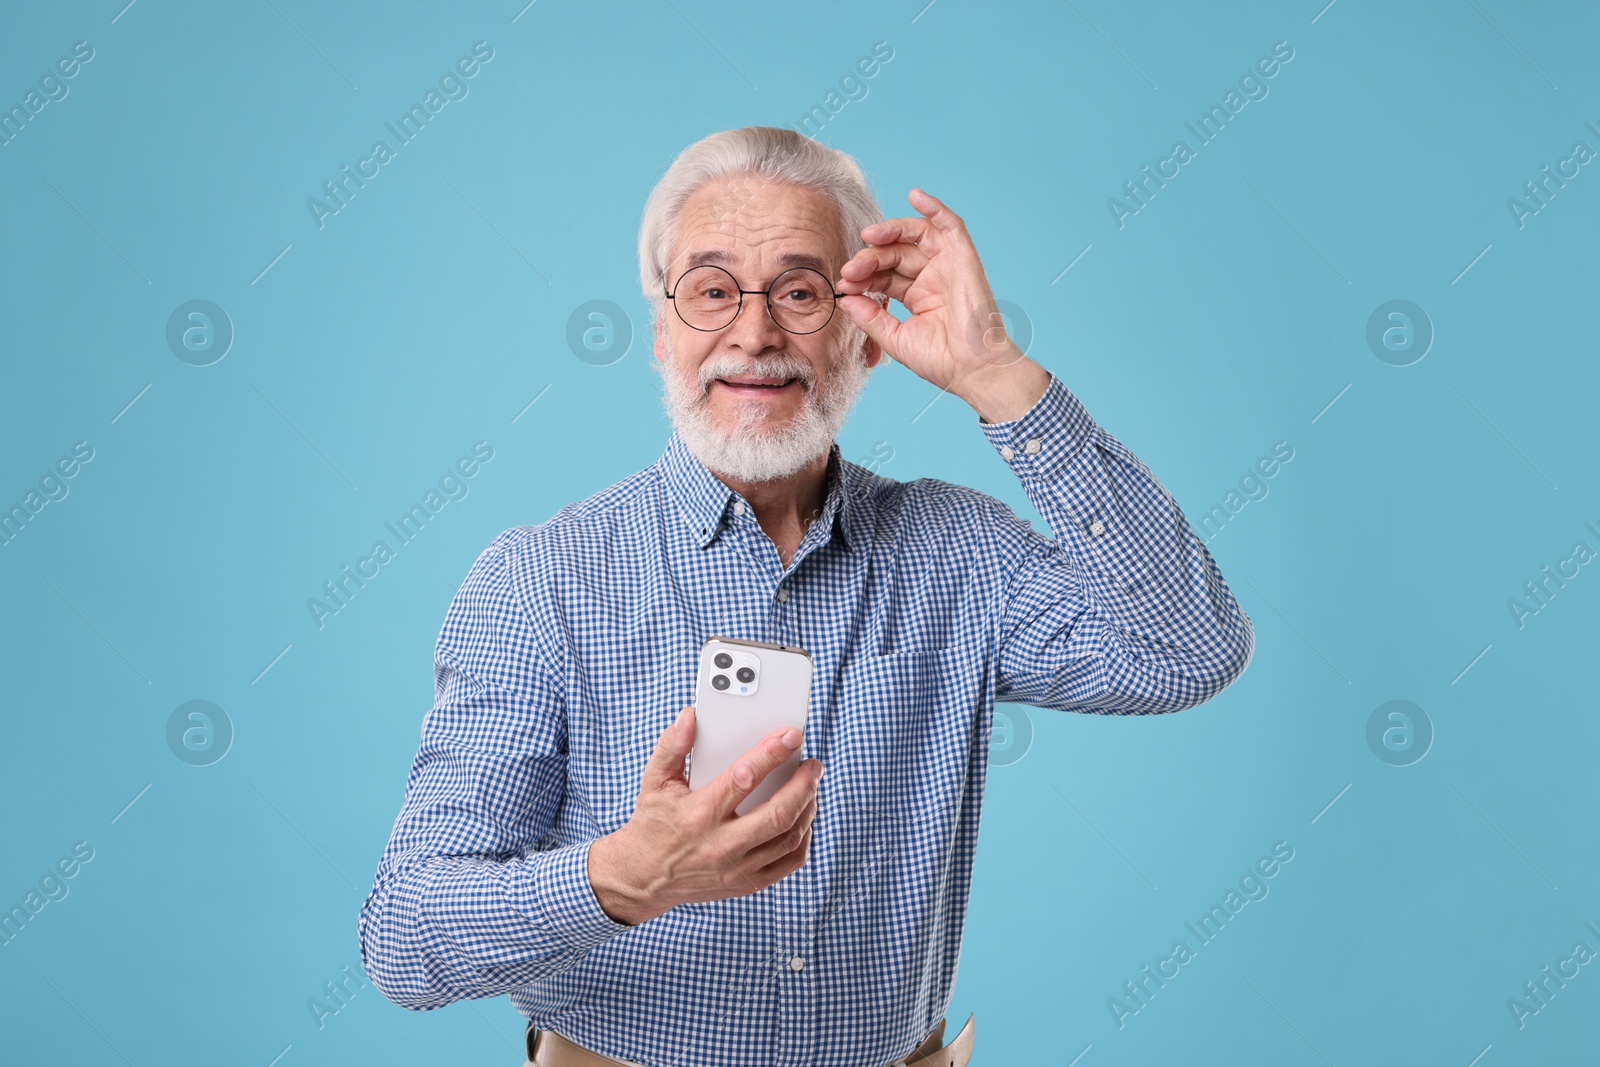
[
  {"x": 920, "y": 620},
  {"x": 906, "y": 736}
]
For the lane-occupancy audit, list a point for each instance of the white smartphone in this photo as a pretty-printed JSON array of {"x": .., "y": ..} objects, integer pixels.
[{"x": 743, "y": 691}]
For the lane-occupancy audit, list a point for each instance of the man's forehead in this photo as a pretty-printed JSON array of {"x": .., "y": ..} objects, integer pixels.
[{"x": 733, "y": 218}]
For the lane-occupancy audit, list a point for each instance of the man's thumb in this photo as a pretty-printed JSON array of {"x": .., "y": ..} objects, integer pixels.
[
  {"x": 872, "y": 317},
  {"x": 675, "y": 742}
]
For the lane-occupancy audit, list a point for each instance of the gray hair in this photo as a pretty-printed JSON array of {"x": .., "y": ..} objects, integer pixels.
[{"x": 769, "y": 152}]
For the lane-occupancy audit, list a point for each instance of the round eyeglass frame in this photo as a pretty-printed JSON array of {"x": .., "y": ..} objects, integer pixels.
[{"x": 767, "y": 292}]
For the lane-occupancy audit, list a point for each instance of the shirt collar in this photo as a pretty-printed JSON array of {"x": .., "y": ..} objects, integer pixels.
[{"x": 705, "y": 502}]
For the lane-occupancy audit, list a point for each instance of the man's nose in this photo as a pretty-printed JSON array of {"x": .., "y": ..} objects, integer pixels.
[{"x": 753, "y": 328}]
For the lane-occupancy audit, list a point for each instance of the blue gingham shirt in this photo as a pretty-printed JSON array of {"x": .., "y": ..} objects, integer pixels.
[{"x": 572, "y": 645}]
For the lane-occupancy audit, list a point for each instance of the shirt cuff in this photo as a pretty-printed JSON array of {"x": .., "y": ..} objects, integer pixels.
[
  {"x": 564, "y": 898},
  {"x": 1045, "y": 439}
]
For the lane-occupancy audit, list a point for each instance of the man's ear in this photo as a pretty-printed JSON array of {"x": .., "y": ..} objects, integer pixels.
[
  {"x": 661, "y": 337},
  {"x": 871, "y": 348},
  {"x": 873, "y": 352}
]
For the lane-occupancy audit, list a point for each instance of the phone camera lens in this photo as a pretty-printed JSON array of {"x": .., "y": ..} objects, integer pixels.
[
  {"x": 745, "y": 674},
  {"x": 723, "y": 660},
  {"x": 719, "y": 681}
]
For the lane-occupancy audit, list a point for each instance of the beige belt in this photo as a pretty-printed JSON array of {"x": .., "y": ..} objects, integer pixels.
[{"x": 546, "y": 1048}]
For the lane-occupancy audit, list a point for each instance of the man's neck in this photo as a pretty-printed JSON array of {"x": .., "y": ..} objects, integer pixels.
[{"x": 785, "y": 507}]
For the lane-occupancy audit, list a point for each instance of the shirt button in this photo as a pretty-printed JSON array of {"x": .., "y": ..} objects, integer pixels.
[
  {"x": 783, "y": 594},
  {"x": 1033, "y": 446},
  {"x": 1006, "y": 453},
  {"x": 1097, "y": 527},
  {"x": 795, "y": 963},
  {"x": 738, "y": 507}
]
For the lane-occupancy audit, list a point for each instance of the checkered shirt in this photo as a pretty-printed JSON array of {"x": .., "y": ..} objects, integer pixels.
[{"x": 572, "y": 644}]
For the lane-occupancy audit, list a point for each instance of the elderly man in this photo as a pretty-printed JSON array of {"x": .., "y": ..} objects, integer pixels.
[{"x": 549, "y": 846}]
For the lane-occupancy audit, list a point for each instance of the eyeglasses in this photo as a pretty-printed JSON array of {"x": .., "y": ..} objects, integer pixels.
[{"x": 708, "y": 298}]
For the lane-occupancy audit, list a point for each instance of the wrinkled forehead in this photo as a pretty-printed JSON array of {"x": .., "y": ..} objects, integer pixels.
[{"x": 756, "y": 228}]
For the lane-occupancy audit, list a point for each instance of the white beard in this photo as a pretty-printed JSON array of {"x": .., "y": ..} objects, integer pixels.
[{"x": 752, "y": 451}]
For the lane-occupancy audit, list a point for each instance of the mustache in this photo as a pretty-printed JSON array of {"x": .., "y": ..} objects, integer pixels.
[{"x": 766, "y": 367}]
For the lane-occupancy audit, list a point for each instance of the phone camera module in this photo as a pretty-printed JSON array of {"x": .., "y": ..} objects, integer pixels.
[
  {"x": 719, "y": 681},
  {"x": 723, "y": 661},
  {"x": 745, "y": 674}
]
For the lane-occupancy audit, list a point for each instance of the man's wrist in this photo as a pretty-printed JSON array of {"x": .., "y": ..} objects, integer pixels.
[
  {"x": 1005, "y": 393},
  {"x": 619, "y": 899}
]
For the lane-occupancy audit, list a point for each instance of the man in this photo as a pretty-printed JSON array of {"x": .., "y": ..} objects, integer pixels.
[{"x": 549, "y": 846}]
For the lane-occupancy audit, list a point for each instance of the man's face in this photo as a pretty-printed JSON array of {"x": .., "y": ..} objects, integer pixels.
[{"x": 752, "y": 400}]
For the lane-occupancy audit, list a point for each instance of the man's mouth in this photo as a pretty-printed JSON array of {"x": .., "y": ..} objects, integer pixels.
[{"x": 752, "y": 384}]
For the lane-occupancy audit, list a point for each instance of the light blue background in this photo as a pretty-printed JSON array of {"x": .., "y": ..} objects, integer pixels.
[{"x": 1224, "y": 317}]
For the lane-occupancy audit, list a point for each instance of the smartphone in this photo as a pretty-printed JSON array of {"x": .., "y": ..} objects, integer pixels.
[{"x": 743, "y": 691}]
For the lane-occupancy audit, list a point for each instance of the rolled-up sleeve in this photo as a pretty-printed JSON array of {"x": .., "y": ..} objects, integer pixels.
[
  {"x": 464, "y": 905},
  {"x": 1123, "y": 611}
]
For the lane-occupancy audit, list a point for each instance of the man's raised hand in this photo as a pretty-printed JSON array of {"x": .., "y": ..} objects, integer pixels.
[{"x": 955, "y": 336}]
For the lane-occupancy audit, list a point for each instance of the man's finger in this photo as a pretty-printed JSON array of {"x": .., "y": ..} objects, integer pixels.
[
  {"x": 740, "y": 779},
  {"x": 937, "y": 229},
  {"x": 908, "y": 230},
  {"x": 901, "y": 257},
  {"x": 761, "y": 853},
  {"x": 894, "y": 285},
  {"x": 939, "y": 216},
  {"x": 802, "y": 788}
]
